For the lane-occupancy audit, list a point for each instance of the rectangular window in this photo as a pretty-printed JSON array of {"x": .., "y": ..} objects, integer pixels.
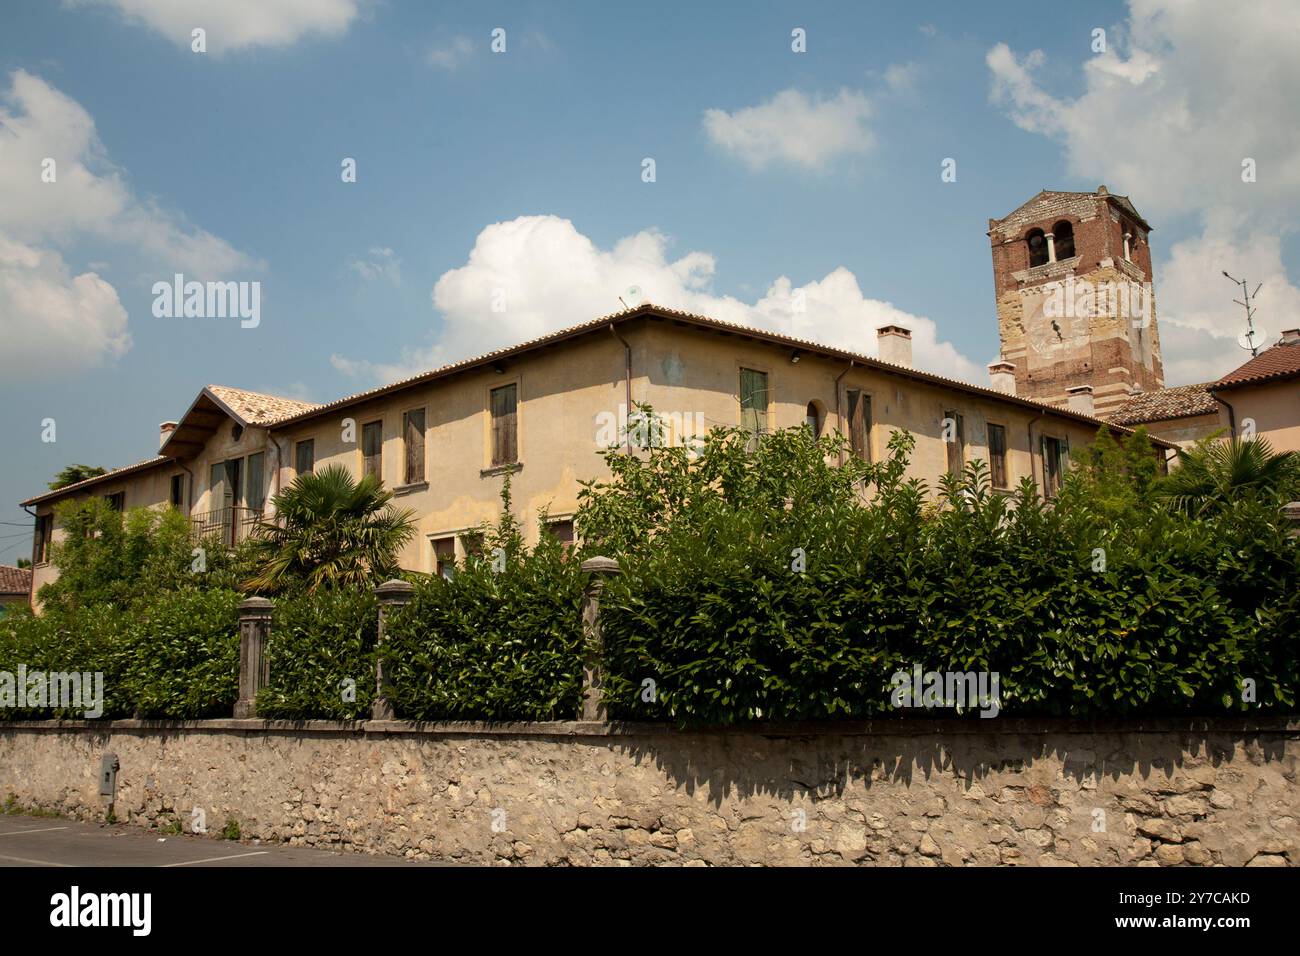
[
  {"x": 505, "y": 425},
  {"x": 998, "y": 455},
  {"x": 753, "y": 403},
  {"x": 859, "y": 422},
  {"x": 177, "y": 496},
  {"x": 255, "y": 482},
  {"x": 1056, "y": 453},
  {"x": 954, "y": 435},
  {"x": 472, "y": 544},
  {"x": 304, "y": 456},
  {"x": 372, "y": 449},
  {"x": 444, "y": 557},
  {"x": 413, "y": 436},
  {"x": 42, "y": 539},
  {"x": 116, "y": 501},
  {"x": 234, "y": 485},
  {"x": 562, "y": 531}
]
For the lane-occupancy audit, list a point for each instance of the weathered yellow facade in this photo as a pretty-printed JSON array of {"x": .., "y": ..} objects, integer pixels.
[{"x": 573, "y": 392}]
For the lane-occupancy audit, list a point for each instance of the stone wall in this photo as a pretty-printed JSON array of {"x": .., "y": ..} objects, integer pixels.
[{"x": 899, "y": 792}]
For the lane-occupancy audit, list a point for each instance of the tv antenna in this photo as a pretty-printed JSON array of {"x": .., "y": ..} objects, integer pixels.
[{"x": 1253, "y": 337}]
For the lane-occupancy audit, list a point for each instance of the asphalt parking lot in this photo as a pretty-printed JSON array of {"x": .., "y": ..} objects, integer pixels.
[{"x": 53, "y": 842}]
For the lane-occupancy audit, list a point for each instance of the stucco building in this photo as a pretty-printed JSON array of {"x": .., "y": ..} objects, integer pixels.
[{"x": 542, "y": 411}]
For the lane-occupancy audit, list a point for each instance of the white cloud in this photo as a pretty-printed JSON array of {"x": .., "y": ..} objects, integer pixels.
[
  {"x": 79, "y": 320},
  {"x": 52, "y": 321},
  {"x": 235, "y": 24},
  {"x": 451, "y": 56},
  {"x": 1183, "y": 95},
  {"x": 794, "y": 129},
  {"x": 902, "y": 78},
  {"x": 89, "y": 194},
  {"x": 549, "y": 276},
  {"x": 381, "y": 263},
  {"x": 1199, "y": 322}
]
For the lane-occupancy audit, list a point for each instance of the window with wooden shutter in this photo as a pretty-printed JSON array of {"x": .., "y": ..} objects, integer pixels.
[
  {"x": 753, "y": 403},
  {"x": 471, "y": 544},
  {"x": 505, "y": 425},
  {"x": 177, "y": 496},
  {"x": 44, "y": 536},
  {"x": 413, "y": 438},
  {"x": 562, "y": 531},
  {"x": 444, "y": 557},
  {"x": 859, "y": 422},
  {"x": 372, "y": 449},
  {"x": 954, "y": 434},
  {"x": 998, "y": 455},
  {"x": 255, "y": 482},
  {"x": 304, "y": 456},
  {"x": 1053, "y": 461}
]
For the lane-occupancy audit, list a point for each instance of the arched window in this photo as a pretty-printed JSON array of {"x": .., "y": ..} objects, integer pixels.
[
  {"x": 815, "y": 418},
  {"x": 1037, "y": 248},
  {"x": 1063, "y": 238}
]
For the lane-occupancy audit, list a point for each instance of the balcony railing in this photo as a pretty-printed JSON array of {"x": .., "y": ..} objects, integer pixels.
[{"x": 230, "y": 526}]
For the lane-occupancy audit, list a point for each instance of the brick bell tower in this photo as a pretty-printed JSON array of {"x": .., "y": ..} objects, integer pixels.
[{"x": 1075, "y": 299}]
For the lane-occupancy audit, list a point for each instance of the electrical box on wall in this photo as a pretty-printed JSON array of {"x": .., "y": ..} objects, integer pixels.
[{"x": 108, "y": 767}]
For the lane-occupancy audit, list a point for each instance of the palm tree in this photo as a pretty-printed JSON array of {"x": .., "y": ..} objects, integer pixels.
[
  {"x": 330, "y": 531},
  {"x": 1213, "y": 472}
]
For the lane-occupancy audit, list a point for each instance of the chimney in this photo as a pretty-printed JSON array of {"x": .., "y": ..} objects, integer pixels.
[
  {"x": 894, "y": 345},
  {"x": 1003, "y": 377},
  {"x": 1080, "y": 399},
  {"x": 1289, "y": 337},
  {"x": 164, "y": 432}
]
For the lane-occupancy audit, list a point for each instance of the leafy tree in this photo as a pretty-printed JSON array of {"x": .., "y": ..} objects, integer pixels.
[
  {"x": 24, "y": 563},
  {"x": 1214, "y": 472},
  {"x": 330, "y": 531},
  {"x": 75, "y": 473}
]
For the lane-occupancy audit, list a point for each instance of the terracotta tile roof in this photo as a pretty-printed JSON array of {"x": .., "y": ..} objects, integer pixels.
[
  {"x": 15, "y": 580},
  {"x": 1181, "y": 401},
  {"x": 258, "y": 408},
  {"x": 1280, "y": 361},
  {"x": 106, "y": 476},
  {"x": 649, "y": 310}
]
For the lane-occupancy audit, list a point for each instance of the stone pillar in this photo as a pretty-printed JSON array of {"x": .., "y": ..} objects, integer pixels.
[
  {"x": 593, "y": 679},
  {"x": 1051, "y": 246},
  {"x": 254, "y": 668},
  {"x": 392, "y": 595},
  {"x": 1291, "y": 512}
]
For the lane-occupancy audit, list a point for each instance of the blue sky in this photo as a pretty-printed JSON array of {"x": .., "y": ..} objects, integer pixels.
[{"x": 522, "y": 171}]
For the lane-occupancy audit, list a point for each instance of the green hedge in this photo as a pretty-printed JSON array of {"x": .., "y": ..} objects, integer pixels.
[
  {"x": 492, "y": 644},
  {"x": 181, "y": 655},
  {"x": 712, "y": 616},
  {"x": 322, "y": 657},
  {"x": 176, "y": 656}
]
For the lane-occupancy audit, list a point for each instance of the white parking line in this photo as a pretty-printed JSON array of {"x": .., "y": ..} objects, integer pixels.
[
  {"x": 37, "y": 830},
  {"x": 217, "y": 859},
  {"x": 23, "y": 859}
]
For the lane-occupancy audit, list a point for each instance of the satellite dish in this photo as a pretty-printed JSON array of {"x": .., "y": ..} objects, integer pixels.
[
  {"x": 1252, "y": 340},
  {"x": 634, "y": 295}
]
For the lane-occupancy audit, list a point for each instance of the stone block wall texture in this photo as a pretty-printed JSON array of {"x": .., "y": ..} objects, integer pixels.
[{"x": 897, "y": 793}]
